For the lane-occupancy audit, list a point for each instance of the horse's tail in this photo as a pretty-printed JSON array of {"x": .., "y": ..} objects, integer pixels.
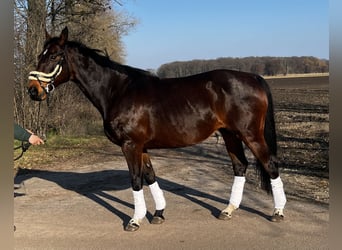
[{"x": 270, "y": 137}]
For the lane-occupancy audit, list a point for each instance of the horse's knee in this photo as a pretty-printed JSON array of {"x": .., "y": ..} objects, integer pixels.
[
  {"x": 149, "y": 177},
  {"x": 137, "y": 183},
  {"x": 148, "y": 171}
]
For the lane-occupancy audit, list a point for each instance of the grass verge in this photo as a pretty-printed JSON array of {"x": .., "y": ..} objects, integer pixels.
[{"x": 58, "y": 149}]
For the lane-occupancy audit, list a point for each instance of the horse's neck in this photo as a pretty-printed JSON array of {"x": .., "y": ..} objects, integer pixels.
[{"x": 101, "y": 87}]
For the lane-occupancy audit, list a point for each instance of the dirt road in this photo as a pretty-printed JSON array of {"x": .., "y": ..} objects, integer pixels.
[{"x": 86, "y": 207}]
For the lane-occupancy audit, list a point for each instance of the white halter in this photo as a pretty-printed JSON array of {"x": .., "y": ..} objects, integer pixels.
[
  {"x": 48, "y": 78},
  {"x": 45, "y": 77}
]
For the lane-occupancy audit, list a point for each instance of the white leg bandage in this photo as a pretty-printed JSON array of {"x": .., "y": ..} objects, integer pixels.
[
  {"x": 237, "y": 191},
  {"x": 278, "y": 193},
  {"x": 158, "y": 196},
  {"x": 139, "y": 205}
]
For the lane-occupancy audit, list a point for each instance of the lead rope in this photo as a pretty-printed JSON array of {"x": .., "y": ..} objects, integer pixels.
[
  {"x": 44, "y": 136},
  {"x": 24, "y": 146},
  {"x": 37, "y": 125}
]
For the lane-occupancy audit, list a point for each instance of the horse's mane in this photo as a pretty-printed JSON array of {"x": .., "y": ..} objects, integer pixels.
[{"x": 101, "y": 57}]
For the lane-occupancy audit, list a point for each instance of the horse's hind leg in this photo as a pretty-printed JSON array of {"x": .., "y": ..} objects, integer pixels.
[
  {"x": 259, "y": 147},
  {"x": 157, "y": 193},
  {"x": 235, "y": 150}
]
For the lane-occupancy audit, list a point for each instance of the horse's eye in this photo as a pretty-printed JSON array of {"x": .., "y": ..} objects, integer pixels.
[{"x": 53, "y": 57}]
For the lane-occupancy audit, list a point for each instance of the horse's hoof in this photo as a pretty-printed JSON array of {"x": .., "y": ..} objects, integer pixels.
[
  {"x": 157, "y": 219},
  {"x": 277, "y": 216},
  {"x": 132, "y": 226},
  {"x": 225, "y": 216}
]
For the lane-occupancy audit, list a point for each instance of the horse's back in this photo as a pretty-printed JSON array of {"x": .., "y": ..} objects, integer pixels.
[{"x": 221, "y": 78}]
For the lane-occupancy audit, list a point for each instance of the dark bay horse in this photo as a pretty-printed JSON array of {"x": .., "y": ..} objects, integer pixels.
[{"x": 141, "y": 111}]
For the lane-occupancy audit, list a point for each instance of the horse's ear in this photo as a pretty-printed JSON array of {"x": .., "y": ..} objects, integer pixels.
[
  {"x": 47, "y": 35},
  {"x": 64, "y": 36}
]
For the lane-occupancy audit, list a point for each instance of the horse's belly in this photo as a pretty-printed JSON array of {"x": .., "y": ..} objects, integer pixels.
[{"x": 182, "y": 134}]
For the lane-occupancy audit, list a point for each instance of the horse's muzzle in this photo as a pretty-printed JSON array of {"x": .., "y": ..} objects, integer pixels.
[{"x": 35, "y": 91}]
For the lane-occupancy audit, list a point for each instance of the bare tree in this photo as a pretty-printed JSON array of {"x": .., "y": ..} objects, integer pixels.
[{"x": 30, "y": 18}]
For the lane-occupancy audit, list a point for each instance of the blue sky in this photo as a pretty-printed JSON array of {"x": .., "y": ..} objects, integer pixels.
[{"x": 179, "y": 30}]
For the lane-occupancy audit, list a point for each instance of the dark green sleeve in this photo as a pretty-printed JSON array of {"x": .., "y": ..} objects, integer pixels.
[{"x": 20, "y": 133}]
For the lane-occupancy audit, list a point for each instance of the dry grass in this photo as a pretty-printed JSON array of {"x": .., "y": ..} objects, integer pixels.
[{"x": 59, "y": 149}]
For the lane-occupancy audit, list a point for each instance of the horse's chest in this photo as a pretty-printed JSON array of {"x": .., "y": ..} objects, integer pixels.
[{"x": 127, "y": 126}]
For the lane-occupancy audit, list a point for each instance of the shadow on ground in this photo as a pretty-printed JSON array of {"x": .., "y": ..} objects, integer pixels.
[{"x": 94, "y": 185}]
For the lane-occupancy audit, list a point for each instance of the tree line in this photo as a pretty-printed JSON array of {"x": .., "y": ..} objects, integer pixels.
[
  {"x": 268, "y": 66},
  {"x": 97, "y": 24}
]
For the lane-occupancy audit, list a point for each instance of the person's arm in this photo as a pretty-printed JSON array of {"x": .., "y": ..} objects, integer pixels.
[{"x": 20, "y": 133}]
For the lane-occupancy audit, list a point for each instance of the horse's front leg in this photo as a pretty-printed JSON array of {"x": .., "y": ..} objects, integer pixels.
[
  {"x": 157, "y": 193},
  {"x": 133, "y": 155}
]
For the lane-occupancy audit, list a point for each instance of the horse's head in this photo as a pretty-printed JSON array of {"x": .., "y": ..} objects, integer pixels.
[{"x": 52, "y": 68}]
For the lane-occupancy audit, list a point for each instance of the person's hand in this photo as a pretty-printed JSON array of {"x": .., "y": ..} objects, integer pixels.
[{"x": 35, "y": 140}]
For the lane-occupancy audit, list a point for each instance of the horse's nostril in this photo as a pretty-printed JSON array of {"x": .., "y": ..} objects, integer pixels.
[{"x": 33, "y": 92}]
